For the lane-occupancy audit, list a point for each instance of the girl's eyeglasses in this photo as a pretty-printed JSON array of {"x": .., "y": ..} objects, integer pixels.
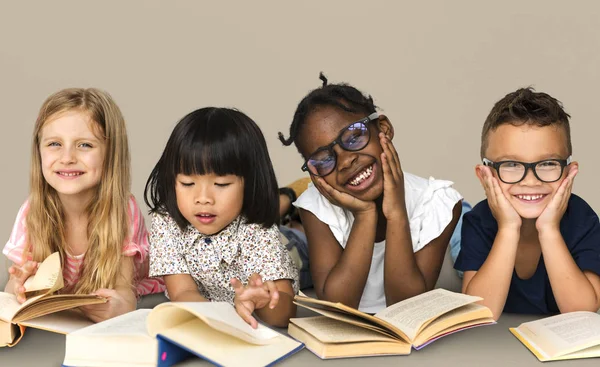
[
  {"x": 352, "y": 138},
  {"x": 512, "y": 172}
]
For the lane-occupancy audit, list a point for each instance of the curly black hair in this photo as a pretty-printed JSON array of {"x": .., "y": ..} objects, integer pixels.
[{"x": 341, "y": 95}]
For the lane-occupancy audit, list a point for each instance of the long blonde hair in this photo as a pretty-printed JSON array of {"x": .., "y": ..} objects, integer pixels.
[{"x": 107, "y": 212}]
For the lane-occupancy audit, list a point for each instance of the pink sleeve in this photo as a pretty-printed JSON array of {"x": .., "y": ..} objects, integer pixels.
[
  {"x": 18, "y": 237},
  {"x": 137, "y": 243}
]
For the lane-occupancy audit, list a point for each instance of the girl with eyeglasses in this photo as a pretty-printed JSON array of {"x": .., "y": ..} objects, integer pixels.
[{"x": 376, "y": 235}]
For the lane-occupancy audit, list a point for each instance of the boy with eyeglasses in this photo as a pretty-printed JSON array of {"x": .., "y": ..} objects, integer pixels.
[{"x": 533, "y": 246}]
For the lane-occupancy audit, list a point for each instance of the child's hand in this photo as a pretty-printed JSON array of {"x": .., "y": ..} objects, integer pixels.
[
  {"x": 501, "y": 208},
  {"x": 393, "y": 181},
  {"x": 116, "y": 305},
  {"x": 255, "y": 295},
  {"x": 342, "y": 199},
  {"x": 19, "y": 274},
  {"x": 553, "y": 213}
]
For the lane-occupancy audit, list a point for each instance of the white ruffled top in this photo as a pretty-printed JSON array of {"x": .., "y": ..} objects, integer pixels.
[{"x": 429, "y": 204}]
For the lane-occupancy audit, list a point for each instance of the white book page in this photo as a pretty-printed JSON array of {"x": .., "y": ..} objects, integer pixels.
[
  {"x": 566, "y": 333},
  {"x": 63, "y": 322},
  {"x": 412, "y": 314},
  {"x": 131, "y": 323},
  {"x": 218, "y": 315},
  {"x": 329, "y": 330},
  {"x": 8, "y": 306}
]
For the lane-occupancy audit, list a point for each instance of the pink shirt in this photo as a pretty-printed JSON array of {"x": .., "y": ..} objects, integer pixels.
[{"x": 136, "y": 245}]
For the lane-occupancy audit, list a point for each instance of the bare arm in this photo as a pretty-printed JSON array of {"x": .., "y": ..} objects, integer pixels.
[
  {"x": 573, "y": 289},
  {"x": 120, "y": 300},
  {"x": 492, "y": 280},
  {"x": 285, "y": 308},
  {"x": 340, "y": 275},
  {"x": 182, "y": 288},
  {"x": 408, "y": 274}
]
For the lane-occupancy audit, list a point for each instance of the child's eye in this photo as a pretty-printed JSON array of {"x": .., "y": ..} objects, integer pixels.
[
  {"x": 186, "y": 184},
  {"x": 86, "y": 145},
  {"x": 222, "y": 184},
  {"x": 53, "y": 144}
]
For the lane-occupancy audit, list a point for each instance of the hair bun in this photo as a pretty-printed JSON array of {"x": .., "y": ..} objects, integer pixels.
[{"x": 323, "y": 78}]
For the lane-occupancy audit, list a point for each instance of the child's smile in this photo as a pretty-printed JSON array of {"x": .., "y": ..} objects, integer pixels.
[{"x": 528, "y": 144}]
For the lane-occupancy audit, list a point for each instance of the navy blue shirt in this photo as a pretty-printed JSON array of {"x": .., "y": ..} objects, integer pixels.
[{"x": 579, "y": 228}]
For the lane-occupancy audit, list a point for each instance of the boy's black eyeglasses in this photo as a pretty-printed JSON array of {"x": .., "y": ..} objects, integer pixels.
[
  {"x": 352, "y": 138},
  {"x": 512, "y": 172}
]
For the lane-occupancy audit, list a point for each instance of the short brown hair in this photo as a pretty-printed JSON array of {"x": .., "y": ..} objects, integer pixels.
[{"x": 525, "y": 106}]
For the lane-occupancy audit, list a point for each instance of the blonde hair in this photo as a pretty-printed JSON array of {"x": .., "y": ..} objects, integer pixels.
[{"x": 107, "y": 212}]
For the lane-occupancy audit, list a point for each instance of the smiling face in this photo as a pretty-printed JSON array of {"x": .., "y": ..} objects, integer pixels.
[
  {"x": 72, "y": 155},
  {"x": 209, "y": 202},
  {"x": 527, "y": 143},
  {"x": 357, "y": 173}
]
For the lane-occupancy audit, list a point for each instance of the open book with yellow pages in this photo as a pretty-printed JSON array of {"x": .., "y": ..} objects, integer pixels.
[
  {"x": 344, "y": 332},
  {"x": 41, "y": 300},
  {"x": 173, "y": 331},
  {"x": 570, "y": 335}
]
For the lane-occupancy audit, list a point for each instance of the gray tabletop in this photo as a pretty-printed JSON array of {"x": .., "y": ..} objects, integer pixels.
[{"x": 483, "y": 346}]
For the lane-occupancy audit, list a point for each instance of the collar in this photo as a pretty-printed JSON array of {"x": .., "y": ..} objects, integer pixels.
[{"x": 222, "y": 246}]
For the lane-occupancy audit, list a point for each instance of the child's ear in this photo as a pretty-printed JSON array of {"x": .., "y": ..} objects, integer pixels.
[
  {"x": 385, "y": 126},
  {"x": 572, "y": 166},
  {"x": 479, "y": 171}
]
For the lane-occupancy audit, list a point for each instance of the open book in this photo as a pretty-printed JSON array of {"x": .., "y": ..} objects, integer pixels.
[
  {"x": 571, "y": 335},
  {"x": 343, "y": 331},
  {"x": 41, "y": 300},
  {"x": 173, "y": 331}
]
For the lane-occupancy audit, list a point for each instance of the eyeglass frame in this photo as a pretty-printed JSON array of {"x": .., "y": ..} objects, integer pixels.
[
  {"x": 372, "y": 117},
  {"x": 496, "y": 165}
]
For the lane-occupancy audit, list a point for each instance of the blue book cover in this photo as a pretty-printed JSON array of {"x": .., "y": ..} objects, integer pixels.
[{"x": 170, "y": 352}]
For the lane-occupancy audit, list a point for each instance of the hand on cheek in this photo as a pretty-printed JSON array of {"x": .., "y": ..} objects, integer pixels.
[
  {"x": 501, "y": 208},
  {"x": 553, "y": 213}
]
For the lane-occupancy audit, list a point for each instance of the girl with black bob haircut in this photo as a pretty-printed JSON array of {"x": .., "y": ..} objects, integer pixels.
[
  {"x": 215, "y": 208},
  {"x": 376, "y": 235}
]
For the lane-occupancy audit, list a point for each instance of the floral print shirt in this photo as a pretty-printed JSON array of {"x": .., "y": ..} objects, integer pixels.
[{"x": 238, "y": 251}]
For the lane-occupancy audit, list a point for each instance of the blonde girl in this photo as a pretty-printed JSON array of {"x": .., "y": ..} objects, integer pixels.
[{"x": 80, "y": 205}]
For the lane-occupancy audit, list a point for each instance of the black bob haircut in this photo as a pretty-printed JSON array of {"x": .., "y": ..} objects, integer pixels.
[{"x": 221, "y": 141}]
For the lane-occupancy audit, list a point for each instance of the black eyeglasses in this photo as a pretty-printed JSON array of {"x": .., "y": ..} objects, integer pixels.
[
  {"x": 511, "y": 172},
  {"x": 352, "y": 138}
]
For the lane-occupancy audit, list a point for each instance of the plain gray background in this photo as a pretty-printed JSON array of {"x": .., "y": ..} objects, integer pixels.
[{"x": 434, "y": 67}]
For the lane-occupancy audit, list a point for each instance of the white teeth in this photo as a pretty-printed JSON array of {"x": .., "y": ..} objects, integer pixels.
[
  {"x": 529, "y": 197},
  {"x": 69, "y": 174},
  {"x": 362, "y": 176}
]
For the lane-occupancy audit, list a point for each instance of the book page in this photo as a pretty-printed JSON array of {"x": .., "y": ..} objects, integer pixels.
[
  {"x": 328, "y": 330},
  {"x": 48, "y": 277},
  {"x": 563, "y": 334},
  {"x": 47, "y": 304},
  {"x": 355, "y": 320},
  {"x": 218, "y": 315},
  {"x": 63, "y": 322},
  {"x": 131, "y": 323},
  {"x": 8, "y": 306},
  {"x": 413, "y": 314}
]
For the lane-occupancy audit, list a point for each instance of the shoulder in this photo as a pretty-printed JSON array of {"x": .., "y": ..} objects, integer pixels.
[
  {"x": 257, "y": 233},
  {"x": 578, "y": 209},
  {"x": 481, "y": 214},
  {"x": 427, "y": 196},
  {"x": 163, "y": 222},
  {"x": 578, "y": 220}
]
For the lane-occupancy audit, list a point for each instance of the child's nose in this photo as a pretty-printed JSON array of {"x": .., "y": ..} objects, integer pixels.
[
  {"x": 204, "y": 196},
  {"x": 68, "y": 155},
  {"x": 345, "y": 158},
  {"x": 530, "y": 179}
]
